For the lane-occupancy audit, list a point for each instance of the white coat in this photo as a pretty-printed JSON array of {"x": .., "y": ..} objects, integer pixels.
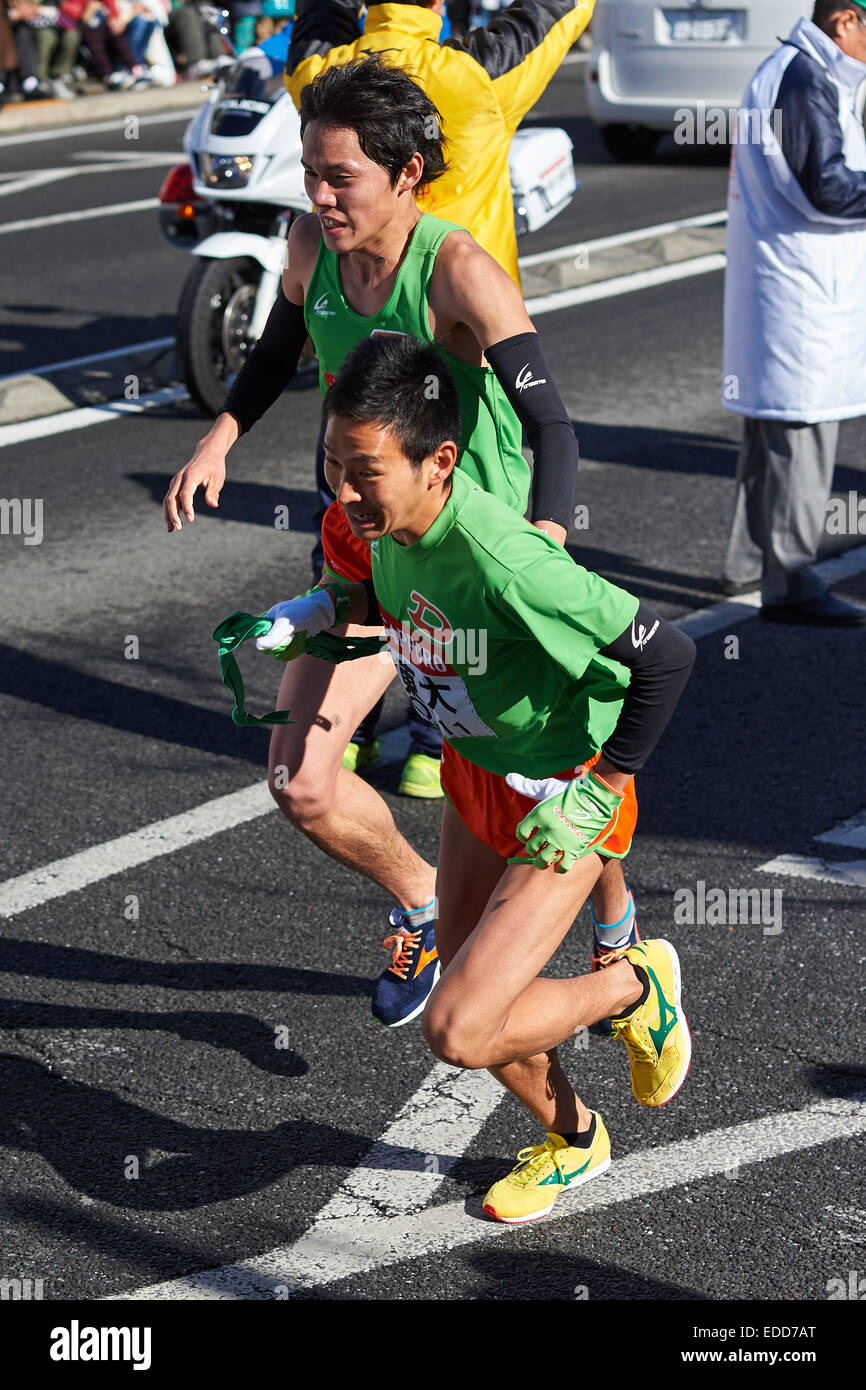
[{"x": 795, "y": 285}]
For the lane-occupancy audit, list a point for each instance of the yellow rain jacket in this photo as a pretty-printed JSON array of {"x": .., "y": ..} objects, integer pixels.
[{"x": 483, "y": 86}]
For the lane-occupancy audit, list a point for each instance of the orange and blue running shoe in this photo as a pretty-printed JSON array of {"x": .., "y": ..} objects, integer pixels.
[{"x": 403, "y": 989}]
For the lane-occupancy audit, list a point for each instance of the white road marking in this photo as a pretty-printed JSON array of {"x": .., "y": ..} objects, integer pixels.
[
  {"x": 108, "y": 164},
  {"x": 127, "y": 351},
  {"x": 851, "y": 833},
  {"x": 59, "y": 219},
  {"x": 430, "y": 1134},
  {"x": 89, "y": 415},
  {"x": 624, "y": 284},
  {"x": 95, "y": 128},
  {"x": 329, "y": 1251},
  {"x": 851, "y": 872},
  {"x": 78, "y": 871},
  {"x": 564, "y": 253}
]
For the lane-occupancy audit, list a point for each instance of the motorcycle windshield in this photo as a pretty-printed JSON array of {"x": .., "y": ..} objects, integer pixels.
[{"x": 248, "y": 91}]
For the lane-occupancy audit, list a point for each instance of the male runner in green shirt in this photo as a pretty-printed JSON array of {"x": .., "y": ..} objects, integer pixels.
[
  {"x": 370, "y": 262},
  {"x": 533, "y": 669}
]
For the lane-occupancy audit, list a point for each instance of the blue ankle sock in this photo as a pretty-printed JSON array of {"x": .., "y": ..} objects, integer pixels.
[{"x": 616, "y": 933}]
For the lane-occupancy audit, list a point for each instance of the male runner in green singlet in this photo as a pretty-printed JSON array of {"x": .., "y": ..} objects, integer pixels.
[
  {"x": 368, "y": 262},
  {"x": 541, "y": 741}
]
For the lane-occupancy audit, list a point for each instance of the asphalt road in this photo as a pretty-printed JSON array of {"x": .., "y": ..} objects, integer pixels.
[{"x": 152, "y": 1037}]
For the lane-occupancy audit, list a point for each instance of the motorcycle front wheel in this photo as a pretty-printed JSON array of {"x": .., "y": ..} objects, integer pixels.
[{"x": 213, "y": 321}]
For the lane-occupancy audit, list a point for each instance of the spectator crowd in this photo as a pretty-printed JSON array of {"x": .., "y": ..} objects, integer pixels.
[{"x": 58, "y": 51}]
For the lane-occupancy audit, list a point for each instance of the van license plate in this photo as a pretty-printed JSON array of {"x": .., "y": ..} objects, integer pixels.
[{"x": 722, "y": 26}]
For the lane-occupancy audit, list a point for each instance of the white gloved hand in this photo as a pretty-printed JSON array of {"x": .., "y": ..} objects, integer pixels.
[
  {"x": 537, "y": 789},
  {"x": 311, "y": 613}
]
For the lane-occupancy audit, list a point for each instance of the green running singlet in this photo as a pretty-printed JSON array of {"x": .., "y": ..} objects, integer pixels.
[{"x": 492, "y": 435}]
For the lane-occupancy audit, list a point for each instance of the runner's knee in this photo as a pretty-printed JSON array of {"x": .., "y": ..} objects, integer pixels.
[
  {"x": 304, "y": 793},
  {"x": 451, "y": 1040}
]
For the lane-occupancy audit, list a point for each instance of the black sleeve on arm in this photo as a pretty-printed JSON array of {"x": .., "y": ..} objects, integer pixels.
[
  {"x": 320, "y": 25},
  {"x": 525, "y": 378},
  {"x": 271, "y": 364},
  {"x": 807, "y": 112},
  {"x": 660, "y": 659},
  {"x": 374, "y": 615},
  {"x": 512, "y": 35}
]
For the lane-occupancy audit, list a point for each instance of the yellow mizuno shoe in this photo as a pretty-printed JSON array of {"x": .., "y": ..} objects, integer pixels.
[
  {"x": 656, "y": 1035},
  {"x": 543, "y": 1173}
]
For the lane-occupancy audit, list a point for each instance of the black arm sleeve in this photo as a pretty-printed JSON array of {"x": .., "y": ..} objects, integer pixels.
[
  {"x": 509, "y": 38},
  {"x": 320, "y": 25},
  {"x": 525, "y": 378},
  {"x": 374, "y": 616},
  {"x": 660, "y": 660},
  {"x": 271, "y": 364}
]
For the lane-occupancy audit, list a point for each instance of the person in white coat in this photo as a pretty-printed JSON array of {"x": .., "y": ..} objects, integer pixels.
[{"x": 795, "y": 307}]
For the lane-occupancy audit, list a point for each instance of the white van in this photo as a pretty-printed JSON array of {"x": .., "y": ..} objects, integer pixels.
[{"x": 651, "y": 61}]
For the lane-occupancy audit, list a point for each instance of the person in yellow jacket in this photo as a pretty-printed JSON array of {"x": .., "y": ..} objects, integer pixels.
[{"x": 483, "y": 85}]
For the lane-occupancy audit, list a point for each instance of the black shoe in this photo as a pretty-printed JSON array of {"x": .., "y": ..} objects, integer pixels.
[
  {"x": 730, "y": 587},
  {"x": 825, "y": 610}
]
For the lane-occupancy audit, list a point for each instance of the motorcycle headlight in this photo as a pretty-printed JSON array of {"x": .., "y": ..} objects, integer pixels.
[{"x": 226, "y": 170}]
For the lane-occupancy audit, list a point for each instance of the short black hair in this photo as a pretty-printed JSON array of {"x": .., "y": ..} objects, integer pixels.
[
  {"x": 391, "y": 115},
  {"x": 400, "y": 384},
  {"x": 825, "y": 10}
]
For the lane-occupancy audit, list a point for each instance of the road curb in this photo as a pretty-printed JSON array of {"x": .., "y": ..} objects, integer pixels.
[
  {"x": 31, "y": 396},
  {"x": 32, "y": 116}
]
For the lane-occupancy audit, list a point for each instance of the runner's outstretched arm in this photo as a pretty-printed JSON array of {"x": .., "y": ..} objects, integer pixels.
[
  {"x": 522, "y": 48},
  {"x": 263, "y": 377}
]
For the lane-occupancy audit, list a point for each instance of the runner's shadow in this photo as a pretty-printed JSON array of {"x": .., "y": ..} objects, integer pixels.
[
  {"x": 839, "y": 1082},
  {"x": 552, "y": 1277},
  {"x": 66, "y": 691},
  {"x": 46, "y": 960},
  {"x": 232, "y": 1032},
  {"x": 257, "y": 504},
  {"x": 115, "y": 1151}
]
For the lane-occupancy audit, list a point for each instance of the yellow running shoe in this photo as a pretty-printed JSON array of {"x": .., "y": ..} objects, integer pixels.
[
  {"x": 359, "y": 756},
  {"x": 656, "y": 1035},
  {"x": 421, "y": 776},
  {"x": 543, "y": 1173}
]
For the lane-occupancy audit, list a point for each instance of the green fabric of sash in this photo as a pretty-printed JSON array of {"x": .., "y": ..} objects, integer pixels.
[{"x": 327, "y": 646}]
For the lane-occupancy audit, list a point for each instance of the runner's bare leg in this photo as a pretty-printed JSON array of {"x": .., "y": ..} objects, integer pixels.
[
  {"x": 334, "y": 808},
  {"x": 492, "y": 940}
]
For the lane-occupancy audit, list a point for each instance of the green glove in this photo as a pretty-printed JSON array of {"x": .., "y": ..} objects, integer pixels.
[{"x": 571, "y": 819}]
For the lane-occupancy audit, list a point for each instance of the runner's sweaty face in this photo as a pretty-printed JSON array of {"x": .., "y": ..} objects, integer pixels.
[
  {"x": 381, "y": 493},
  {"x": 352, "y": 195}
]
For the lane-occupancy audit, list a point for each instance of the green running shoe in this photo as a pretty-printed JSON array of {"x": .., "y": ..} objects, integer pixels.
[
  {"x": 359, "y": 756},
  {"x": 421, "y": 776}
]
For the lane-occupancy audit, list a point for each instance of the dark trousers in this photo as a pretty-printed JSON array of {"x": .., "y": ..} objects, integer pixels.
[
  {"x": 107, "y": 51},
  {"x": 784, "y": 480}
]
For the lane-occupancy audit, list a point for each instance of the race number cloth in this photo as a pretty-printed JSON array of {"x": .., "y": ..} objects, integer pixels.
[{"x": 496, "y": 634}]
